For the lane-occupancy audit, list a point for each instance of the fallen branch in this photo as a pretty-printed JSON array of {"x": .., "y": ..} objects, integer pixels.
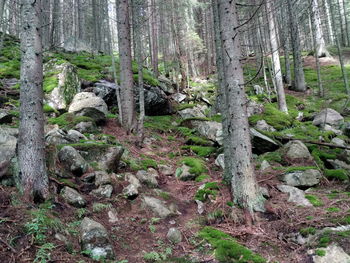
[
  {"x": 317, "y": 143},
  {"x": 8, "y": 245}
]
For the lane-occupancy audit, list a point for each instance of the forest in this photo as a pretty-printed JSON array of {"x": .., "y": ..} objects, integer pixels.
[{"x": 175, "y": 131}]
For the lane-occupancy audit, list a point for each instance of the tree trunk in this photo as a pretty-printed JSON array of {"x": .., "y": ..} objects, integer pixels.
[
  {"x": 237, "y": 142},
  {"x": 282, "y": 104},
  {"x": 154, "y": 38},
  {"x": 126, "y": 75},
  {"x": 31, "y": 143},
  {"x": 321, "y": 50}
]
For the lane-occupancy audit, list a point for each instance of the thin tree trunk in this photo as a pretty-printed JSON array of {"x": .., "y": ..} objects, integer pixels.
[
  {"x": 321, "y": 50},
  {"x": 31, "y": 143}
]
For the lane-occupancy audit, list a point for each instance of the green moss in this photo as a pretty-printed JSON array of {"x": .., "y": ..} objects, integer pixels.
[
  {"x": 10, "y": 69},
  {"x": 186, "y": 132},
  {"x": 314, "y": 200},
  {"x": 324, "y": 240},
  {"x": 333, "y": 209},
  {"x": 50, "y": 83},
  {"x": 338, "y": 174},
  {"x": 184, "y": 106},
  {"x": 320, "y": 252},
  {"x": 271, "y": 157},
  {"x": 148, "y": 163},
  {"x": 69, "y": 120},
  {"x": 197, "y": 165},
  {"x": 202, "y": 151},
  {"x": 196, "y": 140},
  {"x": 273, "y": 117},
  {"x": 209, "y": 189},
  {"x": 307, "y": 231},
  {"x": 299, "y": 168},
  {"x": 202, "y": 178},
  {"x": 227, "y": 249},
  {"x": 160, "y": 123},
  {"x": 48, "y": 109}
]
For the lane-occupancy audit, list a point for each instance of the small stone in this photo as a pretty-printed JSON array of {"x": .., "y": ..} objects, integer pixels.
[
  {"x": 296, "y": 195},
  {"x": 71, "y": 158},
  {"x": 185, "y": 174},
  {"x": 296, "y": 150},
  {"x": 174, "y": 235},
  {"x": 113, "y": 216},
  {"x": 103, "y": 191},
  {"x": 166, "y": 170},
  {"x": 147, "y": 178},
  {"x": 200, "y": 207},
  {"x": 264, "y": 192},
  {"x": 307, "y": 178},
  {"x": 75, "y": 136},
  {"x": 264, "y": 165},
  {"x": 338, "y": 141},
  {"x": 131, "y": 191},
  {"x": 220, "y": 161},
  {"x": 72, "y": 197},
  {"x": 263, "y": 126},
  {"x": 132, "y": 180},
  {"x": 157, "y": 206},
  {"x": 102, "y": 178}
]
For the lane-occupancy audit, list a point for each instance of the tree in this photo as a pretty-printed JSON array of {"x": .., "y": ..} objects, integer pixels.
[
  {"x": 238, "y": 150},
  {"x": 321, "y": 50},
  {"x": 31, "y": 144},
  {"x": 126, "y": 75}
]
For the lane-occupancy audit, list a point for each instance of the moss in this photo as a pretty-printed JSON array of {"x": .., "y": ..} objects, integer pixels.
[
  {"x": 338, "y": 174},
  {"x": 164, "y": 195},
  {"x": 186, "y": 132},
  {"x": 271, "y": 157},
  {"x": 320, "y": 252},
  {"x": 197, "y": 165},
  {"x": 209, "y": 189},
  {"x": 324, "y": 240},
  {"x": 69, "y": 120},
  {"x": 202, "y": 178},
  {"x": 307, "y": 231},
  {"x": 197, "y": 140},
  {"x": 227, "y": 249},
  {"x": 184, "y": 106},
  {"x": 333, "y": 209},
  {"x": 10, "y": 69},
  {"x": 48, "y": 109},
  {"x": 160, "y": 123},
  {"x": 50, "y": 83},
  {"x": 273, "y": 117},
  {"x": 299, "y": 168},
  {"x": 314, "y": 200},
  {"x": 193, "y": 119},
  {"x": 148, "y": 163},
  {"x": 202, "y": 151}
]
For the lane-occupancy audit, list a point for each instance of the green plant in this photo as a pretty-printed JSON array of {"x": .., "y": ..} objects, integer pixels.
[
  {"x": 98, "y": 207},
  {"x": 155, "y": 256},
  {"x": 209, "y": 189},
  {"x": 307, "y": 231},
  {"x": 320, "y": 252},
  {"x": 314, "y": 200},
  {"x": 81, "y": 212},
  {"x": 339, "y": 174},
  {"x": 43, "y": 253},
  {"x": 333, "y": 209},
  {"x": 197, "y": 165},
  {"x": 202, "y": 151}
]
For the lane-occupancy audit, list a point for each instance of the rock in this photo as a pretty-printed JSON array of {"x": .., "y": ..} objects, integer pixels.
[
  {"x": 113, "y": 216},
  {"x": 263, "y": 126},
  {"x": 179, "y": 97},
  {"x": 330, "y": 128},
  {"x": 130, "y": 191},
  {"x": 338, "y": 164},
  {"x": 200, "y": 207},
  {"x": 68, "y": 85},
  {"x": 185, "y": 174},
  {"x": 296, "y": 195},
  {"x": 166, "y": 170},
  {"x": 334, "y": 254},
  {"x": 194, "y": 112},
  {"x": 132, "y": 180},
  {"x": 75, "y": 136},
  {"x": 338, "y": 141},
  {"x": 265, "y": 192},
  {"x": 261, "y": 143},
  {"x": 8, "y": 142},
  {"x": 295, "y": 150},
  {"x": 157, "y": 206},
  {"x": 254, "y": 108},
  {"x": 212, "y": 130},
  {"x": 88, "y": 104},
  {"x": 107, "y": 91},
  {"x": 328, "y": 116},
  {"x": 174, "y": 235},
  {"x": 147, "y": 177},
  {"x": 346, "y": 129},
  {"x": 166, "y": 85},
  {"x": 57, "y": 136},
  {"x": 258, "y": 90},
  {"x": 103, "y": 191},
  {"x": 220, "y": 161},
  {"x": 71, "y": 159},
  {"x": 5, "y": 116},
  {"x": 85, "y": 127},
  {"x": 72, "y": 197},
  {"x": 264, "y": 165},
  {"x": 156, "y": 102},
  {"x": 106, "y": 156},
  {"x": 94, "y": 238},
  {"x": 102, "y": 178},
  {"x": 305, "y": 178}
]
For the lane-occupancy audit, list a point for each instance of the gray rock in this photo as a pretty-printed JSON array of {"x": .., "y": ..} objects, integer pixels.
[
  {"x": 338, "y": 164},
  {"x": 296, "y": 150},
  {"x": 72, "y": 197},
  {"x": 157, "y": 206},
  {"x": 302, "y": 178},
  {"x": 254, "y": 108},
  {"x": 68, "y": 85},
  {"x": 296, "y": 195},
  {"x": 156, "y": 101},
  {"x": 75, "y": 136},
  {"x": 258, "y": 90},
  {"x": 132, "y": 180},
  {"x": 102, "y": 178},
  {"x": 166, "y": 170},
  {"x": 130, "y": 191},
  {"x": 107, "y": 91},
  {"x": 166, "y": 85},
  {"x": 261, "y": 143},
  {"x": 147, "y": 177},
  {"x": 185, "y": 174},
  {"x": 212, "y": 130},
  {"x": 72, "y": 160},
  {"x": 194, "y": 112},
  {"x": 346, "y": 129},
  {"x": 338, "y": 141},
  {"x": 220, "y": 161},
  {"x": 264, "y": 165},
  {"x": 5, "y": 116},
  {"x": 265, "y": 192},
  {"x": 332, "y": 129},
  {"x": 174, "y": 235},
  {"x": 334, "y": 254},
  {"x": 85, "y": 127},
  {"x": 179, "y": 97},
  {"x": 88, "y": 104},
  {"x": 263, "y": 126},
  {"x": 8, "y": 142},
  {"x": 105, "y": 190},
  {"x": 328, "y": 116},
  {"x": 200, "y": 207},
  {"x": 94, "y": 238},
  {"x": 57, "y": 136}
]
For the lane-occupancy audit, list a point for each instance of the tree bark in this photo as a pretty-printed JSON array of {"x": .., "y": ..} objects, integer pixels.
[
  {"x": 321, "y": 50},
  {"x": 237, "y": 142},
  {"x": 31, "y": 144}
]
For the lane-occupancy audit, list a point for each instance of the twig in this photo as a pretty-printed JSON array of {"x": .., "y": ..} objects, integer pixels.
[{"x": 8, "y": 245}]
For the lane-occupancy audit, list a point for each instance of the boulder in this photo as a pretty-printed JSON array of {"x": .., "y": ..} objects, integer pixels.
[
  {"x": 156, "y": 102},
  {"x": 8, "y": 142},
  {"x": 72, "y": 160},
  {"x": 296, "y": 195},
  {"x": 179, "y": 97},
  {"x": 5, "y": 116},
  {"x": 132, "y": 180},
  {"x": 174, "y": 235},
  {"x": 94, "y": 238},
  {"x": 334, "y": 254},
  {"x": 107, "y": 91},
  {"x": 102, "y": 178},
  {"x": 338, "y": 141},
  {"x": 75, "y": 136},
  {"x": 295, "y": 150},
  {"x": 57, "y": 136},
  {"x": 166, "y": 85},
  {"x": 212, "y": 130},
  {"x": 72, "y": 197},
  {"x": 264, "y": 165},
  {"x": 338, "y": 164},
  {"x": 220, "y": 161},
  {"x": 346, "y": 129},
  {"x": 327, "y": 127},
  {"x": 104, "y": 191},
  {"x": 261, "y": 143},
  {"x": 185, "y": 174},
  {"x": 130, "y": 191},
  {"x": 305, "y": 178},
  {"x": 68, "y": 84},
  {"x": 88, "y": 104},
  {"x": 157, "y": 206},
  {"x": 194, "y": 112},
  {"x": 263, "y": 126},
  {"x": 328, "y": 116},
  {"x": 148, "y": 177},
  {"x": 254, "y": 108},
  {"x": 85, "y": 127}
]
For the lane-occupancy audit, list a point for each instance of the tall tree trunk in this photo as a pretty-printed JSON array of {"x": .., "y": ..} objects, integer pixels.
[
  {"x": 3, "y": 22},
  {"x": 321, "y": 50},
  {"x": 237, "y": 142},
  {"x": 282, "y": 104},
  {"x": 154, "y": 38},
  {"x": 126, "y": 75},
  {"x": 31, "y": 143},
  {"x": 299, "y": 77}
]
